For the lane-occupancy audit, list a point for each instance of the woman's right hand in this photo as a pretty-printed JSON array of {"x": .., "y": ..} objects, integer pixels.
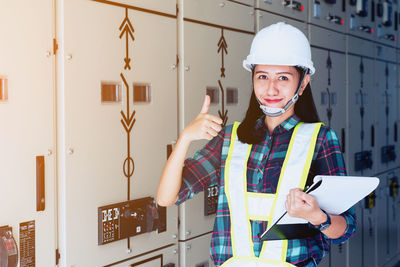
[{"x": 204, "y": 126}]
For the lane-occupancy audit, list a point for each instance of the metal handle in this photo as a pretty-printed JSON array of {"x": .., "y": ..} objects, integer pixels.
[
  {"x": 343, "y": 140},
  {"x": 40, "y": 184},
  {"x": 372, "y": 136}
]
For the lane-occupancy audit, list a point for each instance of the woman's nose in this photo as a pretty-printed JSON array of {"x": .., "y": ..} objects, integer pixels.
[{"x": 271, "y": 88}]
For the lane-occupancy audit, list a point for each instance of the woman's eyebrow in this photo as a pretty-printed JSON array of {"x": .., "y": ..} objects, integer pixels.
[{"x": 283, "y": 72}]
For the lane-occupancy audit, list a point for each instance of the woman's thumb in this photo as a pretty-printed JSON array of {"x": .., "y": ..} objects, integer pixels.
[{"x": 206, "y": 105}]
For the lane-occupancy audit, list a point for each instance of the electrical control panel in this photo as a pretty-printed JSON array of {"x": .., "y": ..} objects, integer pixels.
[
  {"x": 328, "y": 13},
  {"x": 211, "y": 200},
  {"x": 129, "y": 218},
  {"x": 296, "y": 9},
  {"x": 363, "y": 160},
  {"x": 8, "y": 248},
  {"x": 386, "y": 21},
  {"x": 388, "y": 154},
  {"x": 361, "y": 18}
]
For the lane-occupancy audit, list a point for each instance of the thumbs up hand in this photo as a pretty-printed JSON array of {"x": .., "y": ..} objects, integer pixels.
[{"x": 204, "y": 126}]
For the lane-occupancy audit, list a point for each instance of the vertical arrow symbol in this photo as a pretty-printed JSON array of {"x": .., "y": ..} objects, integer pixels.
[
  {"x": 222, "y": 47},
  {"x": 128, "y": 121},
  {"x": 224, "y": 113},
  {"x": 127, "y": 30}
]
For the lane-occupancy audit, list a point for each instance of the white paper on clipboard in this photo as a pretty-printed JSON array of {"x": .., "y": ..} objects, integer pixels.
[{"x": 336, "y": 194}]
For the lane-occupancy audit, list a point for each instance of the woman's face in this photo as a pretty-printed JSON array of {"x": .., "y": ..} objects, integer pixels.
[{"x": 274, "y": 85}]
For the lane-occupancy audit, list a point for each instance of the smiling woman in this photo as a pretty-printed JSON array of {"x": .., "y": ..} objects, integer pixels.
[{"x": 262, "y": 164}]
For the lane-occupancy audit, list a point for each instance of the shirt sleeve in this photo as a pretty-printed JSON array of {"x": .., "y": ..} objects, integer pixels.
[
  {"x": 202, "y": 170},
  {"x": 329, "y": 161}
]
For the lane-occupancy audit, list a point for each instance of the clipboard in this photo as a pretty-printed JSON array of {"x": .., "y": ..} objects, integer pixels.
[{"x": 325, "y": 190}]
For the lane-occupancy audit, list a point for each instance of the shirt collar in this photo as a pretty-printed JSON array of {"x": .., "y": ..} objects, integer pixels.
[{"x": 285, "y": 126}]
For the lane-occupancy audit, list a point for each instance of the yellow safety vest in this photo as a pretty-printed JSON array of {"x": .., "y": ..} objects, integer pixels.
[{"x": 245, "y": 206}]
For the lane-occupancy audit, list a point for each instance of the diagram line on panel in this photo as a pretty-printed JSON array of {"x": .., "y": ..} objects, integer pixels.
[
  {"x": 224, "y": 113},
  {"x": 222, "y": 47},
  {"x": 217, "y": 26},
  {"x": 329, "y": 109},
  {"x": 136, "y": 8},
  {"x": 127, "y": 30}
]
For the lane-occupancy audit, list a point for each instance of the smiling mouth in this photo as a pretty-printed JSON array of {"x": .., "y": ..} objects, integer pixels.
[{"x": 272, "y": 101}]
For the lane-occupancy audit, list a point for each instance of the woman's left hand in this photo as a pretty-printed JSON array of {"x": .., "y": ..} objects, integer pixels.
[{"x": 301, "y": 205}]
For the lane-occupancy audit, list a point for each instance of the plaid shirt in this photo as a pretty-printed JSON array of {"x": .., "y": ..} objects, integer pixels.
[{"x": 263, "y": 170}]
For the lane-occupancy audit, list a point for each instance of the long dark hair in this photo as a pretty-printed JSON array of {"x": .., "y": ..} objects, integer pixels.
[{"x": 304, "y": 108}]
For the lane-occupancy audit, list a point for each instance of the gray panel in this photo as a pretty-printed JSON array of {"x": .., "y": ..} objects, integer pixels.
[
  {"x": 356, "y": 241},
  {"x": 196, "y": 252},
  {"x": 339, "y": 255},
  {"x": 385, "y": 24},
  {"x": 360, "y": 47},
  {"x": 285, "y": 9},
  {"x": 265, "y": 19},
  {"x": 158, "y": 258},
  {"x": 382, "y": 221},
  {"x": 224, "y": 13},
  {"x": 357, "y": 23},
  {"x": 327, "y": 39},
  {"x": 360, "y": 127},
  {"x": 385, "y": 115},
  {"x": 206, "y": 66},
  {"x": 329, "y": 15},
  {"x": 329, "y": 89},
  {"x": 369, "y": 240},
  {"x": 325, "y": 261}
]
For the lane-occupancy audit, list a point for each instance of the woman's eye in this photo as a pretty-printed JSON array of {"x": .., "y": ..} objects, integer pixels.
[
  {"x": 263, "y": 77},
  {"x": 283, "y": 78}
]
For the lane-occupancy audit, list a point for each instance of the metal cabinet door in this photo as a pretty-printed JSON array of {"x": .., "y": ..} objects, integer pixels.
[
  {"x": 361, "y": 101},
  {"x": 385, "y": 23},
  {"x": 163, "y": 257},
  {"x": 356, "y": 241},
  {"x": 27, "y": 119},
  {"x": 196, "y": 252},
  {"x": 359, "y": 19},
  {"x": 212, "y": 63},
  {"x": 297, "y": 10},
  {"x": 329, "y": 89},
  {"x": 110, "y": 141},
  {"x": 328, "y": 15},
  {"x": 382, "y": 221},
  {"x": 264, "y": 19},
  {"x": 385, "y": 117},
  {"x": 393, "y": 213}
]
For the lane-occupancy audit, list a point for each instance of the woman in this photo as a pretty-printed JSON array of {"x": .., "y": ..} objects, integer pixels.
[{"x": 263, "y": 164}]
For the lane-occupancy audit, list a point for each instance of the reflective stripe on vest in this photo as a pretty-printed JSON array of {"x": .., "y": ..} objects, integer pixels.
[{"x": 245, "y": 206}]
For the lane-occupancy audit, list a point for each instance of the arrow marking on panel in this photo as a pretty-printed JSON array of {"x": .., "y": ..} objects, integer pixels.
[
  {"x": 127, "y": 30},
  {"x": 222, "y": 47},
  {"x": 128, "y": 121},
  {"x": 224, "y": 114}
]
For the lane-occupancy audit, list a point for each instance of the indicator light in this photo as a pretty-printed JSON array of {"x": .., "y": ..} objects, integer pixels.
[
  {"x": 366, "y": 29},
  {"x": 293, "y": 4},
  {"x": 341, "y": 22}
]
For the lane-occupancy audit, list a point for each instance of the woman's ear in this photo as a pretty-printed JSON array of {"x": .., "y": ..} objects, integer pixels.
[{"x": 304, "y": 85}]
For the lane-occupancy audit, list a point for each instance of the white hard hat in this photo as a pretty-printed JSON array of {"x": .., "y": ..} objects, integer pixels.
[{"x": 280, "y": 44}]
